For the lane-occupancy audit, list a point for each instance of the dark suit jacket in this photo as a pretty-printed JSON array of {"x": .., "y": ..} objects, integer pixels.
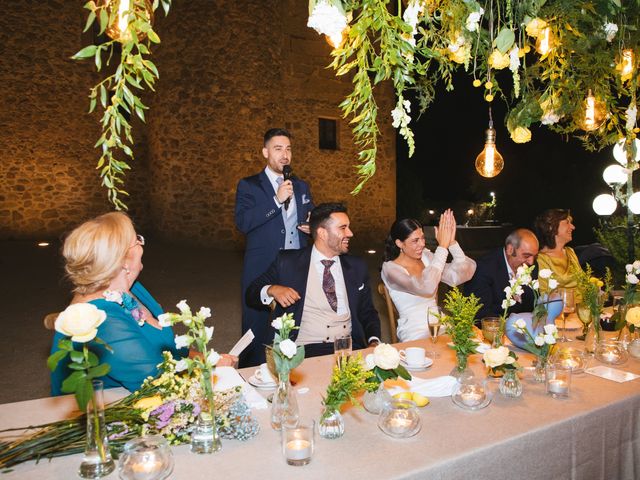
[
  {"x": 488, "y": 284},
  {"x": 291, "y": 269}
]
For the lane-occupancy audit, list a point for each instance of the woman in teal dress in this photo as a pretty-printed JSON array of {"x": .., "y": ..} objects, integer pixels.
[{"x": 103, "y": 258}]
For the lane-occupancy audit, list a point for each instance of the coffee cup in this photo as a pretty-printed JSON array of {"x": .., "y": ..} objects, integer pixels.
[
  {"x": 413, "y": 356},
  {"x": 264, "y": 375}
]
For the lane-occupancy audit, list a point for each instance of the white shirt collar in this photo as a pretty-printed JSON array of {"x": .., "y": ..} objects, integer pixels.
[
  {"x": 509, "y": 269},
  {"x": 316, "y": 256},
  {"x": 273, "y": 177}
]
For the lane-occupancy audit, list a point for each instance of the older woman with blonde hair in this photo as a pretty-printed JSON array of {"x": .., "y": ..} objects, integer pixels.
[{"x": 103, "y": 258}]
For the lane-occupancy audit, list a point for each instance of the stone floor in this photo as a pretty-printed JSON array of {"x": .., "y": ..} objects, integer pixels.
[{"x": 33, "y": 286}]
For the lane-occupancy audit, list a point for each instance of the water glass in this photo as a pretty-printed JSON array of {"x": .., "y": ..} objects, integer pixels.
[
  {"x": 342, "y": 346},
  {"x": 298, "y": 443},
  {"x": 569, "y": 306},
  {"x": 490, "y": 327}
]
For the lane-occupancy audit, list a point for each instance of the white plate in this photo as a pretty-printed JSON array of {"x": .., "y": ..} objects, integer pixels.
[
  {"x": 427, "y": 363},
  {"x": 260, "y": 384}
]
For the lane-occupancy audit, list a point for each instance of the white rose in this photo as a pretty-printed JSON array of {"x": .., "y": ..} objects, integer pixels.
[
  {"x": 204, "y": 312},
  {"x": 628, "y": 267},
  {"x": 288, "y": 348},
  {"x": 539, "y": 340},
  {"x": 213, "y": 357},
  {"x": 208, "y": 332},
  {"x": 181, "y": 365},
  {"x": 182, "y": 341},
  {"x": 520, "y": 324},
  {"x": 370, "y": 361},
  {"x": 494, "y": 357},
  {"x": 545, "y": 273},
  {"x": 183, "y": 307},
  {"x": 632, "y": 279},
  {"x": 164, "y": 320},
  {"x": 80, "y": 321},
  {"x": 553, "y": 283},
  {"x": 386, "y": 356},
  {"x": 549, "y": 339},
  {"x": 550, "y": 329}
]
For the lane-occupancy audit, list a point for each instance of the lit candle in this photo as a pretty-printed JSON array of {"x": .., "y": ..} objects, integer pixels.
[
  {"x": 147, "y": 466},
  {"x": 472, "y": 396},
  {"x": 610, "y": 357},
  {"x": 558, "y": 387},
  {"x": 569, "y": 363},
  {"x": 298, "y": 450}
]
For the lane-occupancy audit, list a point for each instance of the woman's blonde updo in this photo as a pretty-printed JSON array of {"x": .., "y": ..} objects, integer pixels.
[{"x": 95, "y": 251}]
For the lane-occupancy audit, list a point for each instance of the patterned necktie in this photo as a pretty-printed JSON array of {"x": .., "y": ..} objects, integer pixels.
[
  {"x": 329, "y": 284},
  {"x": 279, "y": 181}
]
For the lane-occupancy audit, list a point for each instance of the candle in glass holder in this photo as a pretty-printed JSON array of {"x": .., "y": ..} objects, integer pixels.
[
  {"x": 472, "y": 396},
  {"x": 558, "y": 387},
  {"x": 297, "y": 443},
  {"x": 298, "y": 450},
  {"x": 147, "y": 466}
]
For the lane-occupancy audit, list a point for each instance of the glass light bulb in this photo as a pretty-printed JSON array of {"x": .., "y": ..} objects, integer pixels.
[
  {"x": 627, "y": 62},
  {"x": 123, "y": 16},
  {"x": 634, "y": 203},
  {"x": 594, "y": 113},
  {"x": 122, "y": 11},
  {"x": 604, "y": 204},
  {"x": 489, "y": 163},
  {"x": 614, "y": 175},
  {"x": 543, "y": 43},
  {"x": 620, "y": 151}
]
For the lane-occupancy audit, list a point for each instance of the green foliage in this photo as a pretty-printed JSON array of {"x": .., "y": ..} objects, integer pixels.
[
  {"x": 348, "y": 379},
  {"x": 459, "y": 320},
  {"x": 613, "y": 235},
  {"x": 590, "y": 288},
  {"x": 117, "y": 94}
]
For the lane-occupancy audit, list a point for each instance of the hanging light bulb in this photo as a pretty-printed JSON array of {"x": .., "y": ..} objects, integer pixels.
[
  {"x": 489, "y": 163},
  {"x": 634, "y": 203},
  {"x": 614, "y": 175},
  {"x": 543, "y": 43},
  {"x": 123, "y": 12},
  {"x": 594, "y": 113},
  {"x": 604, "y": 204},
  {"x": 626, "y": 64},
  {"x": 620, "y": 151}
]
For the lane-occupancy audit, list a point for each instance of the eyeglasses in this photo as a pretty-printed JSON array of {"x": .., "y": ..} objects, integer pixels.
[{"x": 139, "y": 241}]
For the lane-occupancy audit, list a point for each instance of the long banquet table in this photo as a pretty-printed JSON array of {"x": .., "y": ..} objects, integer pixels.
[{"x": 594, "y": 434}]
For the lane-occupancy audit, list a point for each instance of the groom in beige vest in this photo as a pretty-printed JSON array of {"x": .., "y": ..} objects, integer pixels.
[{"x": 325, "y": 288}]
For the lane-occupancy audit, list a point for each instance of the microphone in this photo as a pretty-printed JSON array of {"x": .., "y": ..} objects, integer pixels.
[{"x": 286, "y": 174}]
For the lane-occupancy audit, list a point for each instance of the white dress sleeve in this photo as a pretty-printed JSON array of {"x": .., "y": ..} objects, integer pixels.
[
  {"x": 396, "y": 277},
  {"x": 461, "y": 268}
]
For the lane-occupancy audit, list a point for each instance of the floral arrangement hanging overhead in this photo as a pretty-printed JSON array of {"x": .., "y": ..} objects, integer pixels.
[{"x": 570, "y": 65}]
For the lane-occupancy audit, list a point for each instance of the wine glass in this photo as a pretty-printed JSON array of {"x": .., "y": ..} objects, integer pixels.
[
  {"x": 584, "y": 314},
  {"x": 568, "y": 306},
  {"x": 433, "y": 323}
]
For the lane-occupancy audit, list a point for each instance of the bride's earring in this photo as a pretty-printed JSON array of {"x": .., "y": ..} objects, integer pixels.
[{"x": 126, "y": 270}]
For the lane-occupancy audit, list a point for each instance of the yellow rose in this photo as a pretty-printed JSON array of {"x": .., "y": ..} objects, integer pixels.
[
  {"x": 633, "y": 316},
  {"x": 461, "y": 55},
  {"x": 499, "y": 60},
  {"x": 535, "y": 26},
  {"x": 521, "y": 135},
  {"x": 80, "y": 321},
  {"x": 148, "y": 403}
]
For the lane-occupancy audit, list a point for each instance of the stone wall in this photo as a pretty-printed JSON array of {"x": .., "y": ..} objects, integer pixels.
[{"x": 228, "y": 71}]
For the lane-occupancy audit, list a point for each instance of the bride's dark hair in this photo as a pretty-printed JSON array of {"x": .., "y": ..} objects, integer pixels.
[{"x": 400, "y": 230}]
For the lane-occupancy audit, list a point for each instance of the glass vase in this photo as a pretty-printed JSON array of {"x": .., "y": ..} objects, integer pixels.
[
  {"x": 374, "y": 401},
  {"x": 539, "y": 369},
  {"x": 461, "y": 371},
  {"x": 634, "y": 345},
  {"x": 97, "y": 461},
  {"x": 510, "y": 384},
  {"x": 331, "y": 424},
  {"x": 284, "y": 407},
  {"x": 591, "y": 339},
  {"x": 204, "y": 436}
]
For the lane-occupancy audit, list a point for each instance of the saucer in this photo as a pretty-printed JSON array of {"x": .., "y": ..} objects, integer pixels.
[
  {"x": 260, "y": 384},
  {"x": 427, "y": 363}
]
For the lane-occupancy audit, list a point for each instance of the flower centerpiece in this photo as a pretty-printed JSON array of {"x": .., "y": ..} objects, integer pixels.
[
  {"x": 459, "y": 326},
  {"x": 205, "y": 438},
  {"x": 384, "y": 363},
  {"x": 287, "y": 356},
  {"x": 167, "y": 405},
  {"x": 541, "y": 345},
  {"x": 503, "y": 360},
  {"x": 79, "y": 322},
  {"x": 593, "y": 292},
  {"x": 349, "y": 377}
]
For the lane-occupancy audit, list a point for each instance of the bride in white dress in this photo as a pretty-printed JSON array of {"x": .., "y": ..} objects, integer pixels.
[{"x": 412, "y": 273}]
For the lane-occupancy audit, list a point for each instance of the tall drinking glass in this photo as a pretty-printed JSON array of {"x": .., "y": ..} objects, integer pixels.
[
  {"x": 433, "y": 322},
  {"x": 568, "y": 306}
]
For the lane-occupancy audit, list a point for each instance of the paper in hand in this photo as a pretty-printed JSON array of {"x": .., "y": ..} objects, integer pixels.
[{"x": 242, "y": 343}]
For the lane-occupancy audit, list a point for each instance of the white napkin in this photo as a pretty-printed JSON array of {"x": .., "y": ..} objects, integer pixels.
[
  {"x": 228, "y": 377},
  {"x": 432, "y": 387},
  {"x": 482, "y": 347}
]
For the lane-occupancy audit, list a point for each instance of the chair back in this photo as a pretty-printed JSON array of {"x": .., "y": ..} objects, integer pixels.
[{"x": 391, "y": 312}]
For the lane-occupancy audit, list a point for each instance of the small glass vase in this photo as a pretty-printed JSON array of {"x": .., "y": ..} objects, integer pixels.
[
  {"x": 634, "y": 345},
  {"x": 331, "y": 424},
  {"x": 539, "y": 374},
  {"x": 284, "y": 407},
  {"x": 374, "y": 401},
  {"x": 461, "y": 371},
  {"x": 97, "y": 461},
  {"x": 510, "y": 384},
  {"x": 204, "y": 436},
  {"x": 591, "y": 339}
]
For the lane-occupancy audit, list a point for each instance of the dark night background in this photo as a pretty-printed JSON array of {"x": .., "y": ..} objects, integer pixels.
[{"x": 547, "y": 172}]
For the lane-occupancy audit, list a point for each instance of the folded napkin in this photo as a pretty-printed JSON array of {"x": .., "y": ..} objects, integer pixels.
[
  {"x": 228, "y": 377},
  {"x": 432, "y": 387}
]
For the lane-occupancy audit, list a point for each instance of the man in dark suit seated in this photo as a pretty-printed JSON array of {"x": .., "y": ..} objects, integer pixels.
[
  {"x": 326, "y": 289},
  {"x": 496, "y": 268}
]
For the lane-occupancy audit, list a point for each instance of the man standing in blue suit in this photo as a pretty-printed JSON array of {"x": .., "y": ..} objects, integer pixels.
[{"x": 272, "y": 212}]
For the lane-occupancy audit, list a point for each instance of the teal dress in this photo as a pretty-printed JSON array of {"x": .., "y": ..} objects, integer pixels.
[{"x": 137, "y": 350}]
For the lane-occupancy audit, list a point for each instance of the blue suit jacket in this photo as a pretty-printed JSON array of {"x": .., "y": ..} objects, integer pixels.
[
  {"x": 291, "y": 269},
  {"x": 488, "y": 284}
]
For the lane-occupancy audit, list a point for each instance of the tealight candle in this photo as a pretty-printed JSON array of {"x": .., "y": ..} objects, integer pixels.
[
  {"x": 472, "y": 396},
  {"x": 569, "y": 363},
  {"x": 558, "y": 387},
  {"x": 298, "y": 450},
  {"x": 297, "y": 443}
]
